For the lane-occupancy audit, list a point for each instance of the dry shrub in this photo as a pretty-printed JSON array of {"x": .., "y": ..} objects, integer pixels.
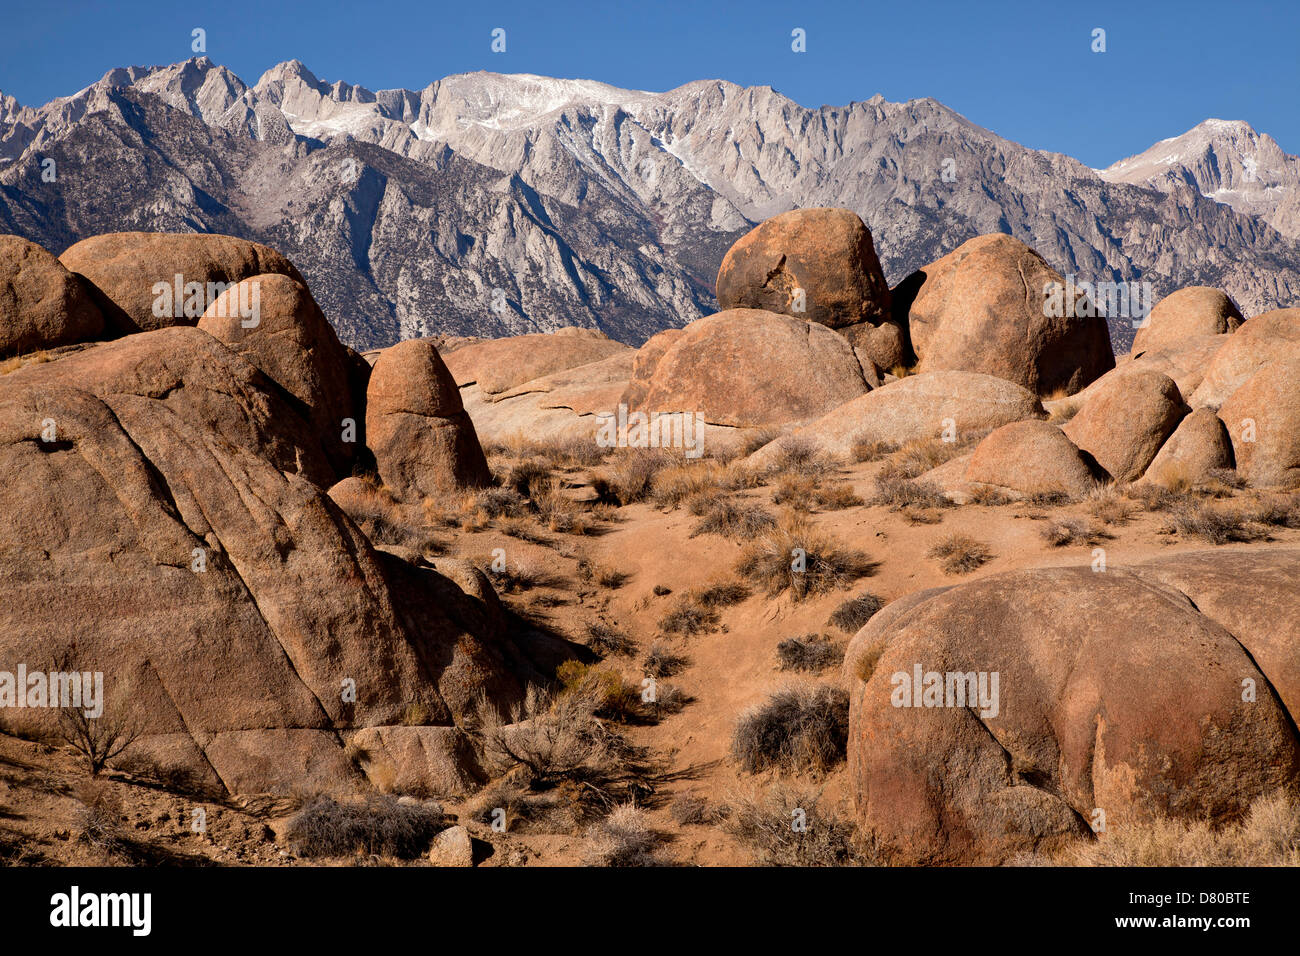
[
  {"x": 661, "y": 661},
  {"x": 1077, "y": 531},
  {"x": 610, "y": 695},
  {"x": 851, "y": 616},
  {"x": 795, "y": 556},
  {"x": 865, "y": 448},
  {"x": 813, "y": 653},
  {"x": 676, "y": 484},
  {"x": 624, "y": 838},
  {"x": 628, "y": 477},
  {"x": 589, "y": 572},
  {"x": 799, "y": 728},
  {"x": 500, "y": 503},
  {"x": 923, "y": 454},
  {"x": 1277, "y": 511},
  {"x": 1063, "y": 412},
  {"x": 960, "y": 554},
  {"x": 797, "y": 454},
  {"x": 560, "y": 512},
  {"x": 691, "y": 809},
  {"x": 786, "y": 825},
  {"x": 720, "y": 594},
  {"x": 1269, "y": 835},
  {"x": 990, "y": 496},
  {"x": 898, "y": 492},
  {"x": 731, "y": 519},
  {"x": 1049, "y": 498},
  {"x": 525, "y": 475},
  {"x": 98, "y": 815},
  {"x": 605, "y": 640},
  {"x": 1216, "y": 524},
  {"x": 1109, "y": 506},
  {"x": 384, "y": 520},
  {"x": 379, "y": 825},
  {"x": 559, "y": 763},
  {"x": 1154, "y": 497},
  {"x": 688, "y": 619}
]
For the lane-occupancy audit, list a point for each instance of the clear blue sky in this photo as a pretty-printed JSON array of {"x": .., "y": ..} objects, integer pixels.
[{"x": 1023, "y": 69}]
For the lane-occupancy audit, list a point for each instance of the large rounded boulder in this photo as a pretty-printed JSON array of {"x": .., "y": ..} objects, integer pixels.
[
  {"x": 1187, "y": 314},
  {"x": 499, "y": 365},
  {"x": 423, "y": 441},
  {"x": 42, "y": 305},
  {"x": 1031, "y": 458},
  {"x": 1198, "y": 448},
  {"x": 1011, "y": 714},
  {"x": 1263, "y": 421},
  {"x": 151, "y": 280},
  {"x": 819, "y": 265},
  {"x": 745, "y": 367},
  {"x": 994, "y": 306},
  {"x": 1263, "y": 339},
  {"x": 290, "y": 341},
  {"x": 153, "y": 528},
  {"x": 1125, "y": 419},
  {"x": 917, "y": 407}
]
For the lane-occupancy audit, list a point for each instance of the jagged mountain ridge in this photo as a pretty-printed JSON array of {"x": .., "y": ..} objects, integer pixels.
[{"x": 585, "y": 204}]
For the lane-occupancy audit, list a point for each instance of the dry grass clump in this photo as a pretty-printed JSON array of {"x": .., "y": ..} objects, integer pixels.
[
  {"x": 1078, "y": 531},
  {"x": 786, "y": 825},
  {"x": 559, "y": 512},
  {"x": 514, "y": 576},
  {"x": 696, "y": 611},
  {"x": 1108, "y": 506},
  {"x": 898, "y": 492},
  {"x": 799, "y": 728},
  {"x": 558, "y": 763},
  {"x": 1269, "y": 835},
  {"x": 1277, "y": 511},
  {"x": 694, "y": 483},
  {"x": 606, "y": 640},
  {"x": 795, "y": 556},
  {"x": 379, "y": 825},
  {"x": 730, "y": 519},
  {"x": 555, "y": 453},
  {"x": 611, "y": 695},
  {"x": 661, "y": 661},
  {"x": 589, "y": 572},
  {"x": 1049, "y": 498},
  {"x": 628, "y": 476},
  {"x": 691, "y": 809},
  {"x": 812, "y": 653},
  {"x": 14, "y": 363},
  {"x": 921, "y": 455},
  {"x": 960, "y": 554},
  {"x": 385, "y": 520},
  {"x": 500, "y": 503},
  {"x": 865, "y": 448},
  {"x": 688, "y": 619},
  {"x": 624, "y": 838},
  {"x": 797, "y": 455},
  {"x": 1153, "y": 497},
  {"x": 1217, "y": 524},
  {"x": 851, "y": 616},
  {"x": 990, "y": 496},
  {"x": 98, "y": 817},
  {"x": 1063, "y": 412}
]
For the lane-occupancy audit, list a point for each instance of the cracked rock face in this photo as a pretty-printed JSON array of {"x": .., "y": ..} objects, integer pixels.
[
  {"x": 986, "y": 307},
  {"x": 748, "y": 368},
  {"x": 1120, "y": 692},
  {"x": 173, "y": 533}
]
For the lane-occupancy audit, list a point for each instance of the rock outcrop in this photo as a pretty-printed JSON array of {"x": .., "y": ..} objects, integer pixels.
[
  {"x": 135, "y": 274},
  {"x": 745, "y": 367},
  {"x": 423, "y": 441},
  {"x": 819, "y": 265},
  {"x": 1125, "y": 419},
  {"x": 994, "y": 306},
  {"x": 1118, "y": 692},
  {"x": 1195, "y": 311},
  {"x": 42, "y": 305}
]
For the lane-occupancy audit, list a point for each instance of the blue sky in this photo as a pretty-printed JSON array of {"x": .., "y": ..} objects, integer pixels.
[{"x": 1023, "y": 69}]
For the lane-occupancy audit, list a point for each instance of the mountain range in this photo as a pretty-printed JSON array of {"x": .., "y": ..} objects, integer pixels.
[{"x": 490, "y": 204}]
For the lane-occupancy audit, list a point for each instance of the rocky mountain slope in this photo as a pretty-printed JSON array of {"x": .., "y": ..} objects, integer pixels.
[{"x": 493, "y": 205}]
